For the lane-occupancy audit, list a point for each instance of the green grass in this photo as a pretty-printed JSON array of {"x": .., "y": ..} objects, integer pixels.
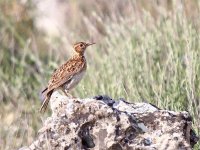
[{"x": 140, "y": 59}]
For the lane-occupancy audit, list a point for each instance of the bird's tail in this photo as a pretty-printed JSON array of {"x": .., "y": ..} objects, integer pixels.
[
  {"x": 46, "y": 101},
  {"x": 43, "y": 91},
  {"x": 42, "y": 94}
]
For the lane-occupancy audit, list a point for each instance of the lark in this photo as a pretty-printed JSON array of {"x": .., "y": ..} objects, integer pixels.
[{"x": 68, "y": 75}]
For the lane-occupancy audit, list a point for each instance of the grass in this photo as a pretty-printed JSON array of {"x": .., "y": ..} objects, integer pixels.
[{"x": 143, "y": 53}]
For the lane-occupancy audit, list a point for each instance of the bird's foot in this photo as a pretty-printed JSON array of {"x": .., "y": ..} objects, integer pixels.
[{"x": 67, "y": 94}]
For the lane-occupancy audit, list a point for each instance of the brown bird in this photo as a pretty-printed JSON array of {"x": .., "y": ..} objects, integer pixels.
[{"x": 68, "y": 75}]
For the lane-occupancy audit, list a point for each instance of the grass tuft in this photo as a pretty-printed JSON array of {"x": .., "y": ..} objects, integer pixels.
[{"x": 144, "y": 52}]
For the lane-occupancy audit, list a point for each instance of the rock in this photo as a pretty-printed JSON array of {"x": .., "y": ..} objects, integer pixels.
[{"x": 101, "y": 123}]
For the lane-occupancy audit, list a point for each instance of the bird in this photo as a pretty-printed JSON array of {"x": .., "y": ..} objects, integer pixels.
[{"x": 68, "y": 75}]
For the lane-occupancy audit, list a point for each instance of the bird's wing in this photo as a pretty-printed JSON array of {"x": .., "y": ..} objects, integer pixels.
[{"x": 64, "y": 73}]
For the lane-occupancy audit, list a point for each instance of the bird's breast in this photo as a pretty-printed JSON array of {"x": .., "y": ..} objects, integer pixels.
[{"x": 74, "y": 80}]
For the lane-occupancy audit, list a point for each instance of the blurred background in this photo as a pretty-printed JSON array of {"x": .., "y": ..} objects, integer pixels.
[{"x": 146, "y": 51}]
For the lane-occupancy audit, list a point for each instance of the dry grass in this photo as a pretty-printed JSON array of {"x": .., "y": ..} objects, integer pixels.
[{"x": 144, "y": 52}]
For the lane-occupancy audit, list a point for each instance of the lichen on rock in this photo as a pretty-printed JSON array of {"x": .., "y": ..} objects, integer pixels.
[{"x": 101, "y": 123}]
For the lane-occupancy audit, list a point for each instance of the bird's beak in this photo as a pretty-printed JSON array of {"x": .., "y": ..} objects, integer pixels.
[{"x": 88, "y": 44}]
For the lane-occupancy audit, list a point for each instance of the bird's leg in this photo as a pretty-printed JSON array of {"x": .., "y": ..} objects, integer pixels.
[{"x": 66, "y": 92}]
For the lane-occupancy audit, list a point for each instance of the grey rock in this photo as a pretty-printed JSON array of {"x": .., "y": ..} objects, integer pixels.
[{"x": 101, "y": 123}]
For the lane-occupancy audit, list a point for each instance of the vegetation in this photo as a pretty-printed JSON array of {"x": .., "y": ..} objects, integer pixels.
[{"x": 144, "y": 52}]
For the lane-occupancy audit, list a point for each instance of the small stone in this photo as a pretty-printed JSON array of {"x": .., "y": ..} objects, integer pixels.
[
  {"x": 147, "y": 141},
  {"x": 142, "y": 127}
]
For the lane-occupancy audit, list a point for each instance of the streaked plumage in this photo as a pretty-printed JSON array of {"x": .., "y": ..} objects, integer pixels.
[{"x": 68, "y": 75}]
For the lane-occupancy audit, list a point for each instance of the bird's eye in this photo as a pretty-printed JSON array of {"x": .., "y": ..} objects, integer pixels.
[{"x": 81, "y": 45}]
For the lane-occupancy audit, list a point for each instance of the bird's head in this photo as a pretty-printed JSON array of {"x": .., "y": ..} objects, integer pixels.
[{"x": 80, "y": 47}]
